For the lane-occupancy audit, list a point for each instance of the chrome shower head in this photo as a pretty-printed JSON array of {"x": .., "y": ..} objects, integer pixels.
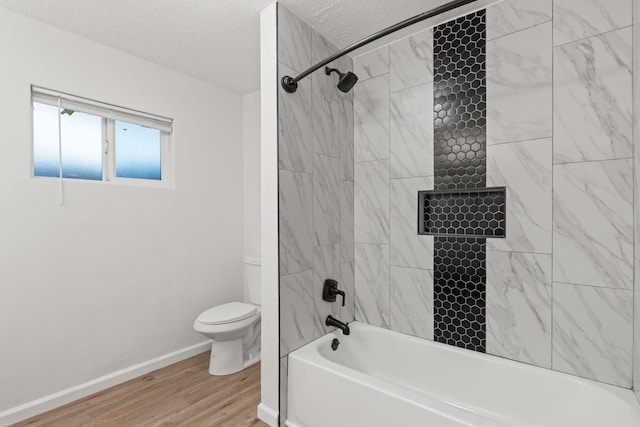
[{"x": 347, "y": 80}]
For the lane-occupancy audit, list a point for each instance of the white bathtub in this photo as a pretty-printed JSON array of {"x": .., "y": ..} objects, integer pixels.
[{"x": 380, "y": 378}]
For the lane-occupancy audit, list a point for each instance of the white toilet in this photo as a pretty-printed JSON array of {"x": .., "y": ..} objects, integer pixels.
[{"x": 234, "y": 327}]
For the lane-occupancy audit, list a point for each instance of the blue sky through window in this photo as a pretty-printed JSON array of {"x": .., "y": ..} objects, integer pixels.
[
  {"x": 138, "y": 153},
  {"x": 81, "y": 144}
]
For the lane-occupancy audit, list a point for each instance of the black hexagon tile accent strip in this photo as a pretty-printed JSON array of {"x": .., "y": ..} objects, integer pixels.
[
  {"x": 460, "y": 111},
  {"x": 460, "y": 292},
  {"x": 460, "y": 105},
  {"x": 463, "y": 213}
]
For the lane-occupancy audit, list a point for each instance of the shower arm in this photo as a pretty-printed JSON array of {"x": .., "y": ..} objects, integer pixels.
[{"x": 290, "y": 84}]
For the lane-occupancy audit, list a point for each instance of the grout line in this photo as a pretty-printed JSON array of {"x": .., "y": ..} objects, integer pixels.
[
  {"x": 313, "y": 230},
  {"x": 591, "y": 36},
  {"x": 323, "y": 154},
  {"x": 521, "y": 30},
  {"x": 634, "y": 130},
  {"x": 520, "y": 252},
  {"x": 593, "y": 161},
  {"x": 592, "y": 286},
  {"x": 296, "y": 273},
  {"x": 389, "y": 187},
  {"x": 370, "y": 161},
  {"x": 294, "y": 171},
  {"x": 411, "y": 268},
  {"x": 521, "y": 140},
  {"x": 553, "y": 114},
  {"x": 368, "y": 79},
  {"x": 391, "y": 92},
  {"x": 404, "y": 178}
]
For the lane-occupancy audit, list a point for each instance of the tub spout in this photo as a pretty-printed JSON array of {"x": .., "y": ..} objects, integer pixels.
[{"x": 332, "y": 321}]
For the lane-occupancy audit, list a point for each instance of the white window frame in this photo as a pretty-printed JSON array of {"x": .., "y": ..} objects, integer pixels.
[{"x": 109, "y": 114}]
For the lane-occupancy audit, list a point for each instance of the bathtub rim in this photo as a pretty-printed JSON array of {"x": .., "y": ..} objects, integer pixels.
[
  {"x": 311, "y": 354},
  {"x": 441, "y": 407}
]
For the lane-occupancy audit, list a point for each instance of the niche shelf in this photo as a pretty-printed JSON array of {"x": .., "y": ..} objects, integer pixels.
[{"x": 476, "y": 213}]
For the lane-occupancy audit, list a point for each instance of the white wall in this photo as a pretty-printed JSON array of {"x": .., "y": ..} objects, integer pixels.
[
  {"x": 268, "y": 408},
  {"x": 117, "y": 275},
  {"x": 251, "y": 174}
]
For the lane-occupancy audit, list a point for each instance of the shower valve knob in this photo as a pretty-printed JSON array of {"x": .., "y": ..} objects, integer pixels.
[{"x": 330, "y": 291}]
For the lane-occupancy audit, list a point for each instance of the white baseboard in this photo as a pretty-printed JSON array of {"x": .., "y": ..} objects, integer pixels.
[
  {"x": 268, "y": 415},
  {"x": 46, "y": 403}
]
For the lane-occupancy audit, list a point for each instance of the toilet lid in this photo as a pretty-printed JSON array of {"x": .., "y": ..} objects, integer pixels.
[{"x": 227, "y": 313}]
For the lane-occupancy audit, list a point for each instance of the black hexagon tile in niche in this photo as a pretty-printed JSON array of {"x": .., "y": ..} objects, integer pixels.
[
  {"x": 463, "y": 213},
  {"x": 460, "y": 292},
  {"x": 460, "y": 103}
]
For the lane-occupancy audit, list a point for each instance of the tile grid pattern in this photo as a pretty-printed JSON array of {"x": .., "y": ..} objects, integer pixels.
[
  {"x": 393, "y": 151},
  {"x": 519, "y": 156},
  {"x": 592, "y": 149},
  {"x": 560, "y": 127},
  {"x": 460, "y": 163},
  {"x": 522, "y": 292},
  {"x": 546, "y": 229},
  {"x": 315, "y": 158}
]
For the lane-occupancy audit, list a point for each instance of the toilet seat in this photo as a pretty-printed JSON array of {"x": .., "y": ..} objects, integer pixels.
[{"x": 227, "y": 313}]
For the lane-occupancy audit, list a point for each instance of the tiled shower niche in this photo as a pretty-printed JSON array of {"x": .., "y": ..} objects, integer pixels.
[{"x": 462, "y": 213}]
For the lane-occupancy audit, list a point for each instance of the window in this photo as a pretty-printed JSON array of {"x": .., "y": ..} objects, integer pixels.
[{"x": 85, "y": 139}]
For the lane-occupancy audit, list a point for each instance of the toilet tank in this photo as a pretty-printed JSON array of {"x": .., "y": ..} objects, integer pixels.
[{"x": 252, "y": 279}]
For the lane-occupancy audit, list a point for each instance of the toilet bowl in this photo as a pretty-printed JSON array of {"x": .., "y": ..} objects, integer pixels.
[{"x": 234, "y": 328}]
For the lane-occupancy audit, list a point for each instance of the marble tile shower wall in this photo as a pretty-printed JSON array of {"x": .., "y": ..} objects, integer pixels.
[
  {"x": 593, "y": 189},
  {"x": 315, "y": 161},
  {"x": 393, "y": 154},
  {"x": 559, "y": 137},
  {"x": 636, "y": 198}
]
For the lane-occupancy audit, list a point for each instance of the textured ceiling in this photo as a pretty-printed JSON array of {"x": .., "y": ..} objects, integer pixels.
[{"x": 213, "y": 40}]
